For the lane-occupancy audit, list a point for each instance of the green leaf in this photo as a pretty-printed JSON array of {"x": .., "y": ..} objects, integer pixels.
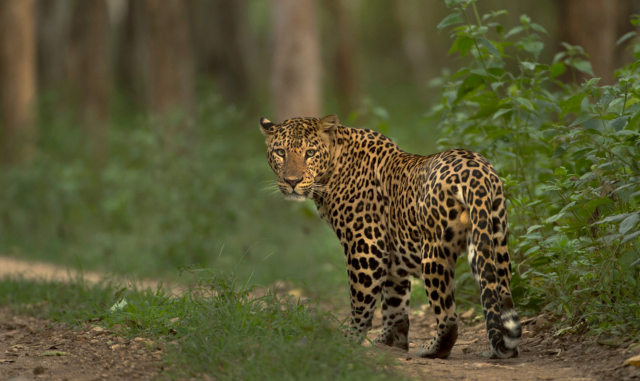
[
  {"x": 557, "y": 69},
  {"x": 605, "y": 99},
  {"x": 119, "y": 305},
  {"x": 534, "y": 227},
  {"x": 470, "y": 83},
  {"x": 558, "y": 56},
  {"x": 53, "y": 353},
  {"x": 496, "y": 71},
  {"x": 614, "y": 218},
  {"x": 637, "y": 260},
  {"x": 619, "y": 123},
  {"x": 496, "y": 85},
  {"x": 498, "y": 133},
  {"x": 514, "y": 31},
  {"x": 625, "y": 37},
  {"x": 487, "y": 44},
  {"x": 532, "y": 46},
  {"x": 539, "y": 28},
  {"x": 465, "y": 43},
  {"x": 500, "y": 112},
  {"x": 582, "y": 118},
  {"x": 561, "y": 214},
  {"x": 634, "y": 122},
  {"x": 532, "y": 250},
  {"x": 452, "y": 19},
  {"x": 559, "y": 151},
  {"x": 629, "y": 238},
  {"x": 573, "y": 104},
  {"x": 628, "y": 223},
  {"x": 526, "y": 103},
  {"x": 583, "y": 66},
  {"x": 593, "y": 204},
  {"x": 560, "y": 171},
  {"x": 626, "y": 133}
]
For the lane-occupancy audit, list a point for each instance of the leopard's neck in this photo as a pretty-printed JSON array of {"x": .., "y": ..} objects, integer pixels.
[{"x": 356, "y": 155}]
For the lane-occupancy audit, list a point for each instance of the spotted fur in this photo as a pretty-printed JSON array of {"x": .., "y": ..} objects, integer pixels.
[{"x": 398, "y": 214}]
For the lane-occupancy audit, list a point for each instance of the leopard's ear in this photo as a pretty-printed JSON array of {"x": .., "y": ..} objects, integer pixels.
[
  {"x": 267, "y": 127},
  {"x": 329, "y": 123}
]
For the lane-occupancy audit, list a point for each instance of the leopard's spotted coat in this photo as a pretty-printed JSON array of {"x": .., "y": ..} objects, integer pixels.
[{"x": 398, "y": 214}]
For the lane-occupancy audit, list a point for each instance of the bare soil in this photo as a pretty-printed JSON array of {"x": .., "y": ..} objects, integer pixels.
[
  {"x": 32, "y": 349},
  {"x": 89, "y": 353},
  {"x": 542, "y": 355}
]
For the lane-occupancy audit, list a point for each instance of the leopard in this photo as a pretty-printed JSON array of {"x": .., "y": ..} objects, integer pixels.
[{"x": 399, "y": 215}]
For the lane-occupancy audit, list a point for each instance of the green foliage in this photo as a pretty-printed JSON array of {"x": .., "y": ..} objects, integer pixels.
[
  {"x": 220, "y": 328},
  {"x": 570, "y": 154},
  {"x": 169, "y": 193}
]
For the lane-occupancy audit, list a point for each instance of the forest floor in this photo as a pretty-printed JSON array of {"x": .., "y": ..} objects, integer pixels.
[{"x": 40, "y": 349}]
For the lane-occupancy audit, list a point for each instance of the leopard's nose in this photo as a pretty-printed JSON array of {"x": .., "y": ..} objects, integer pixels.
[{"x": 293, "y": 182}]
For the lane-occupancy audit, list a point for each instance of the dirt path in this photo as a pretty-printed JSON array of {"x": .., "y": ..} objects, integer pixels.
[
  {"x": 93, "y": 354},
  {"x": 10, "y": 266},
  {"x": 542, "y": 357},
  {"x": 32, "y": 349}
]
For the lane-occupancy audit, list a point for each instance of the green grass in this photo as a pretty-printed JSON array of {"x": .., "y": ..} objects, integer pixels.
[{"x": 221, "y": 330}]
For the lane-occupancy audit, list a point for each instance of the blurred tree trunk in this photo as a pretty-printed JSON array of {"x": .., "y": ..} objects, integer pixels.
[
  {"x": 132, "y": 55},
  {"x": 17, "y": 80},
  {"x": 596, "y": 25},
  {"x": 171, "y": 70},
  {"x": 346, "y": 51},
  {"x": 224, "y": 47},
  {"x": 410, "y": 16},
  {"x": 54, "y": 25},
  {"x": 296, "y": 62},
  {"x": 90, "y": 70}
]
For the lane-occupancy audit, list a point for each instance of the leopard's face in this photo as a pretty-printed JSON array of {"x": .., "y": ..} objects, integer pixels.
[{"x": 299, "y": 153}]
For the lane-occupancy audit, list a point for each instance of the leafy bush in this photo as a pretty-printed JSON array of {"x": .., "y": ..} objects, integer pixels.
[{"x": 570, "y": 155}]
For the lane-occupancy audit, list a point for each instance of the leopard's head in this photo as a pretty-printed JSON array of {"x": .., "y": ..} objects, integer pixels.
[{"x": 299, "y": 152}]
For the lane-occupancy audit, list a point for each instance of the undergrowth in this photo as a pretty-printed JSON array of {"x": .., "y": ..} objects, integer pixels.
[
  {"x": 169, "y": 193},
  {"x": 569, "y": 156}
]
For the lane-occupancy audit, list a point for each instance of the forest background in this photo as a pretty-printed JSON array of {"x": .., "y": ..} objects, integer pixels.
[{"x": 130, "y": 143}]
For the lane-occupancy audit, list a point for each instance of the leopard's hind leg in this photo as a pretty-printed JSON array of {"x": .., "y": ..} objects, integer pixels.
[{"x": 441, "y": 251}]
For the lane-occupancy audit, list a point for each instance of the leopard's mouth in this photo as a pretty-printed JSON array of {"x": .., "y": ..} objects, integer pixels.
[
  {"x": 295, "y": 197},
  {"x": 294, "y": 194}
]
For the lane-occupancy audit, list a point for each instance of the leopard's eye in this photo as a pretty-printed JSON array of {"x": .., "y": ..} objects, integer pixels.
[
  {"x": 280, "y": 152},
  {"x": 311, "y": 153}
]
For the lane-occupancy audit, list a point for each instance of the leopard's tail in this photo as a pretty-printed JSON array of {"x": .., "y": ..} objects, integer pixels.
[{"x": 490, "y": 264}]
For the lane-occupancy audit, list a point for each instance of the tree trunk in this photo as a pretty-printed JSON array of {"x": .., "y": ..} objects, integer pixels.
[
  {"x": 17, "y": 80},
  {"x": 171, "y": 71},
  {"x": 595, "y": 25},
  {"x": 132, "y": 55},
  {"x": 54, "y": 25},
  {"x": 90, "y": 70},
  {"x": 410, "y": 16},
  {"x": 341, "y": 29},
  {"x": 296, "y": 63},
  {"x": 224, "y": 46}
]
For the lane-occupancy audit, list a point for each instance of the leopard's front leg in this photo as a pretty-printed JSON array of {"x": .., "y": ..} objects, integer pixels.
[
  {"x": 396, "y": 292},
  {"x": 367, "y": 269}
]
